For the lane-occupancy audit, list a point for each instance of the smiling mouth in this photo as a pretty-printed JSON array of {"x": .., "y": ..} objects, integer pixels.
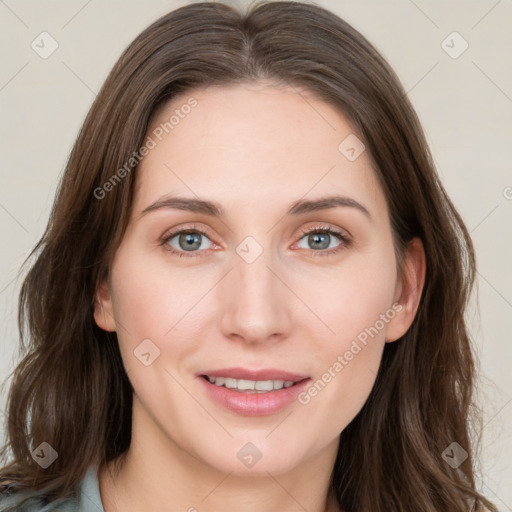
[{"x": 250, "y": 386}]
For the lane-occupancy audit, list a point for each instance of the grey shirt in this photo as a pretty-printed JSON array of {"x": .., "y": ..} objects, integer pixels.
[{"x": 89, "y": 499}]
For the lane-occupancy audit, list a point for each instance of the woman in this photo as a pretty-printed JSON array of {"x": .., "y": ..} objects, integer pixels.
[{"x": 251, "y": 290}]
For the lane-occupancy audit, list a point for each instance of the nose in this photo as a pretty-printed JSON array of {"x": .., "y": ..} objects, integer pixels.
[{"x": 256, "y": 304}]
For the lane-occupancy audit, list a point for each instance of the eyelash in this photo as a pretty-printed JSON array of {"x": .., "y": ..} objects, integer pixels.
[{"x": 344, "y": 239}]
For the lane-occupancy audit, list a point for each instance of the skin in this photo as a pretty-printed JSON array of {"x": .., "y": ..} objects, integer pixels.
[{"x": 254, "y": 149}]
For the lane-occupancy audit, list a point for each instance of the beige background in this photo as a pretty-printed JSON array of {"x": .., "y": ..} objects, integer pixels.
[{"x": 464, "y": 103}]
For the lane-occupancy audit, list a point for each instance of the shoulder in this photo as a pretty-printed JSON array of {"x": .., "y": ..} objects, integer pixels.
[
  {"x": 33, "y": 502},
  {"x": 89, "y": 499}
]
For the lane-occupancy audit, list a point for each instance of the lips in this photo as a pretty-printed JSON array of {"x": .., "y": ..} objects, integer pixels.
[{"x": 252, "y": 392}]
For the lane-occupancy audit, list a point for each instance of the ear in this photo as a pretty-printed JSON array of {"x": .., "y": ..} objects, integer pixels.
[
  {"x": 408, "y": 290},
  {"x": 103, "y": 310}
]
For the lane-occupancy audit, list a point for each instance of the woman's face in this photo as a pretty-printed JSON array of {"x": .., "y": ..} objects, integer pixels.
[{"x": 288, "y": 321}]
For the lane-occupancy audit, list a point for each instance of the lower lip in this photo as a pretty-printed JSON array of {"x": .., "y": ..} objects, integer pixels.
[{"x": 254, "y": 404}]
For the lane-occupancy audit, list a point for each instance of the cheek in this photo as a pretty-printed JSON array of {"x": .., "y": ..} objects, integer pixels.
[
  {"x": 152, "y": 292},
  {"x": 155, "y": 301},
  {"x": 349, "y": 299},
  {"x": 356, "y": 305}
]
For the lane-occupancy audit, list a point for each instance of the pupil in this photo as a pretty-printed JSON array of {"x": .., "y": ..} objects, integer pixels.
[
  {"x": 191, "y": 241},
  {"x": 315, "y": 239}
]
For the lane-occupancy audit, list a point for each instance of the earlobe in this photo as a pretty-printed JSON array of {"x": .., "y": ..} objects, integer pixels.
[
  {"x": 409, "y": 290},
  {"x": 103, "y": 310}
]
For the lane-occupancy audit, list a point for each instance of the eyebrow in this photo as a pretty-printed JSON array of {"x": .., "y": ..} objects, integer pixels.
[{"x": 214, "y": 209}]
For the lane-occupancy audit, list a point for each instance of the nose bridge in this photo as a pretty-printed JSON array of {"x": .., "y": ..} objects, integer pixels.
[{"x": 255, "y": 307}]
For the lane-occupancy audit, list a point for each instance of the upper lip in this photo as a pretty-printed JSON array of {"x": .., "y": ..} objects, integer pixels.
[{"x": 247, "y": 374}]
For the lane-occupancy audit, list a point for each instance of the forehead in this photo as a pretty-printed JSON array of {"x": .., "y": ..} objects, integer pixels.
[{"x": 255, "y": 144}]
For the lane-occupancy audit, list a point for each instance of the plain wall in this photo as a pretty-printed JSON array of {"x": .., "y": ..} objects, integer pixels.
[{"x": 464, "y": 103}]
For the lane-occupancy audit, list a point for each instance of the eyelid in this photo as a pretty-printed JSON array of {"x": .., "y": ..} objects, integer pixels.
[
  {"x": 324, "y": 226},
  {"x": 181, "y": 228}
]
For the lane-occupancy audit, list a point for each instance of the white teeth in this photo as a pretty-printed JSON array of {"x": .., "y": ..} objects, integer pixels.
[
  {"x": 264, "y": 385},
  {"x": 251, "y": 385},
  {"x": 245, "y": 384},
  {"x": 278, "y": 384},
  {"x": 230, "y": 383}
]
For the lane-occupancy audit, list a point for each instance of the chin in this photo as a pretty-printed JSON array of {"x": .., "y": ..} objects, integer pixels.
[{"x": 257, "y": 458}]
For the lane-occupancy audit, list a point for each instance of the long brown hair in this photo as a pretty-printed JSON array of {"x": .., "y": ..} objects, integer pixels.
[{"x": 71, "y": 389}]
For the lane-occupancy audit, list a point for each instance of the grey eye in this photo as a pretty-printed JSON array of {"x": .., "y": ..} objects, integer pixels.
[
  {"x": 318, "y": 240},
  {"x": 188, "y": 241}
]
